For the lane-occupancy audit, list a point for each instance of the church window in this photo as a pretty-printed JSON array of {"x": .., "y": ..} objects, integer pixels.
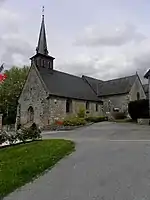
[
  {"x": 87, "y": 105},
  {"x": 49, "y": 65},
  {"x": 68, "y": 106},
  {"x": 138, "y": 96},
  {"x": 96, "y": 107},
  {"x": 43, "y": 63}
]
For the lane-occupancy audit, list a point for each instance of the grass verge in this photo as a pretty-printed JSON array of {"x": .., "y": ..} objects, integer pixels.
[{"x": 21, "y": 163}]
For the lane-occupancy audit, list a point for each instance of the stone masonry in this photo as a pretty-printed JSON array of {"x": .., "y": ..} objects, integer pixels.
[{"x": 47, "y": 109}]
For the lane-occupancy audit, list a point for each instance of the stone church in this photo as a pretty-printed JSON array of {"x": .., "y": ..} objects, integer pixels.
[{"x": 49, "y": 95}]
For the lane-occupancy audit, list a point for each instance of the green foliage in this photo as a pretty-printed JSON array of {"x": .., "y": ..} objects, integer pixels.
[
  {"x": 3, "y": 137},
  {"x": 139, "y": 109},
  {"x": 34, "y": 132},
  {"x": 95, "y": 119},
  {"x": 81, "y": 113},
  {"x": 31, "y": 133},
  {"x": 10, "y": 91},
  {"x": 21, "y": 163},
  {"x": 74, "y": 121},
  {"x": 23, "y": 135}
]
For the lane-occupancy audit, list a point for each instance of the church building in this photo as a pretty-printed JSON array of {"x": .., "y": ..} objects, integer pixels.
[{"x": 50, "y": 95}]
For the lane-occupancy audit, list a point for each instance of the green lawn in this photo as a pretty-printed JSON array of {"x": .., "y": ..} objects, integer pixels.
[{"x": 21, "y": 163}]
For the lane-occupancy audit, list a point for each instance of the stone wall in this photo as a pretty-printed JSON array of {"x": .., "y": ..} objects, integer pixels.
[
  {"x": 47, "y": 109},
  {"x": 121, "y": 101},
  {"x": 137, "y": 88},
  {"x": 34, "y": 95},
  {"x": 116, "y": 101},
  {"x": 57, "y": 108}
]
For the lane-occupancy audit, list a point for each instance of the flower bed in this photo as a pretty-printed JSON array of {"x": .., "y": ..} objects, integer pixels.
[{"x": 23, "y": 135}]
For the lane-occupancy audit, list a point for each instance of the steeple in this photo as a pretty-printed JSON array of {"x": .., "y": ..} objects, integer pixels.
[
  {"x": 41, "y": 58},
  {"x": 42, "y": 43}
]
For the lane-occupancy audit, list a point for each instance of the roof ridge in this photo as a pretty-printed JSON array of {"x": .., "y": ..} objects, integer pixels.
[
  {"x": 92, "y": 78},
  {"x": 67, "y": 73},
  {"x": 119, "y": 78}
]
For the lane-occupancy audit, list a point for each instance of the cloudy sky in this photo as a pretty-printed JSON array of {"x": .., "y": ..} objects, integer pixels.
[{"x": 104, "y": 39}]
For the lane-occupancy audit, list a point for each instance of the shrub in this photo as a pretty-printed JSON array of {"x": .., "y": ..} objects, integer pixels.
[
  {"x": 95, "y": 119},
  {"x": 74, "y": 122},
  {"x": 58, "y": 122},
  {"x": 31, "y": 133},
  {"x": 34, "y": 132},
  {"x": 139, "y": 109},
  {"x": 11, "y": 138},
  {"x": 22, "y": 135},
  {"x": 81, "y": 113},
  {"x": 119, "y": 115},
  {"x": 3, "y": 136}
]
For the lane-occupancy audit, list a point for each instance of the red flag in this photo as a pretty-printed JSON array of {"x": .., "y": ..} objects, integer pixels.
[{"x": 2, "y": 77}]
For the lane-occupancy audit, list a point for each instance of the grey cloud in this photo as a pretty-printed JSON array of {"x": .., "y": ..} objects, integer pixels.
[
  {"x": 13, "y": 44},
  {"x": 106, "y": 69},
  {"x": 96, "y": 36},
  {"x": 79, "y": 68},
  {"x": 2, "y": 1}
]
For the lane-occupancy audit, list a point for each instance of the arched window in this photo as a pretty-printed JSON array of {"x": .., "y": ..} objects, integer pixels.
[
  {"x": 68, "y": 105},
  {"x": 96, "y": 107},
  {"x": 87, "y": 105},
  {"x": 138, "y": 96},
  {"x": 49, "y": 65},
  {"x": 30, "y": 114}
]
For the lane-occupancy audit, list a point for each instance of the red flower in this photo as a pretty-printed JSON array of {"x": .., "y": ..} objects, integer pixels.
[
  {"x": 59, "y": 122},
  {"x": 2, "y": 77}
]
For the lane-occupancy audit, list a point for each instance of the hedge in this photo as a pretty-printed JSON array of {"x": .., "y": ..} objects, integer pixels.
[
  {"x": 74, "y": 121},
  {"x": 139, "y": 109},
  {"x": 96, "y": 119}
]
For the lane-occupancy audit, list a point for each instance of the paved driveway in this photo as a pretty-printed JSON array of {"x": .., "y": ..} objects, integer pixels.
[{"x": 111, "y": 162}]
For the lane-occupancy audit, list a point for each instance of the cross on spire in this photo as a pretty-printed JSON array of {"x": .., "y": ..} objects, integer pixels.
[{"x": 43, "y": 10}]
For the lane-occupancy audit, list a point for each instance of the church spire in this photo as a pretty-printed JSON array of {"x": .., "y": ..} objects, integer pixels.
[{"x": 42, "y": 43}]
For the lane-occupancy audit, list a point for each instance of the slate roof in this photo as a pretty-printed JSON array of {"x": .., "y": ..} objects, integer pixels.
[
  {"x": 42, "y": 43},
  {"x": 66, "y": 85},
  {"x": 146, "y": 89},
  {"x": 116, "y": 86},
  {"x": 92, "y": 82}
]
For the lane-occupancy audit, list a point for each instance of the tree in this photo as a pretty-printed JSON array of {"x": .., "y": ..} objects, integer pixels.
[{"x": 10, "y": 91}]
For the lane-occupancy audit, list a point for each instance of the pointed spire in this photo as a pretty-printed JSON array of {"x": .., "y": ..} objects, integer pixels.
[{"x": 42, "y": 43}]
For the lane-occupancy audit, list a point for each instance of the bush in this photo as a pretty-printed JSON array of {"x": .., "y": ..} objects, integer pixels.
[
  {"x": 81, "y": 113},
  {"x": 74, "y": 122},
  {"x": 3, "y": 136},
  {"x": 11, "y": 138},
  {"x": 34, "y": 132},
  {"x": 119, "y": 115},
  {"x": 22, "y": 135},
  {"x": 95, "y": 119},
  {"x": 31, "y": 133},
  {"x": 139, "y": 109}
]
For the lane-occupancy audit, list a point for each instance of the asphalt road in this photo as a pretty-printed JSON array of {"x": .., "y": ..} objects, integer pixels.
[{"x": 111, "y": 162}]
